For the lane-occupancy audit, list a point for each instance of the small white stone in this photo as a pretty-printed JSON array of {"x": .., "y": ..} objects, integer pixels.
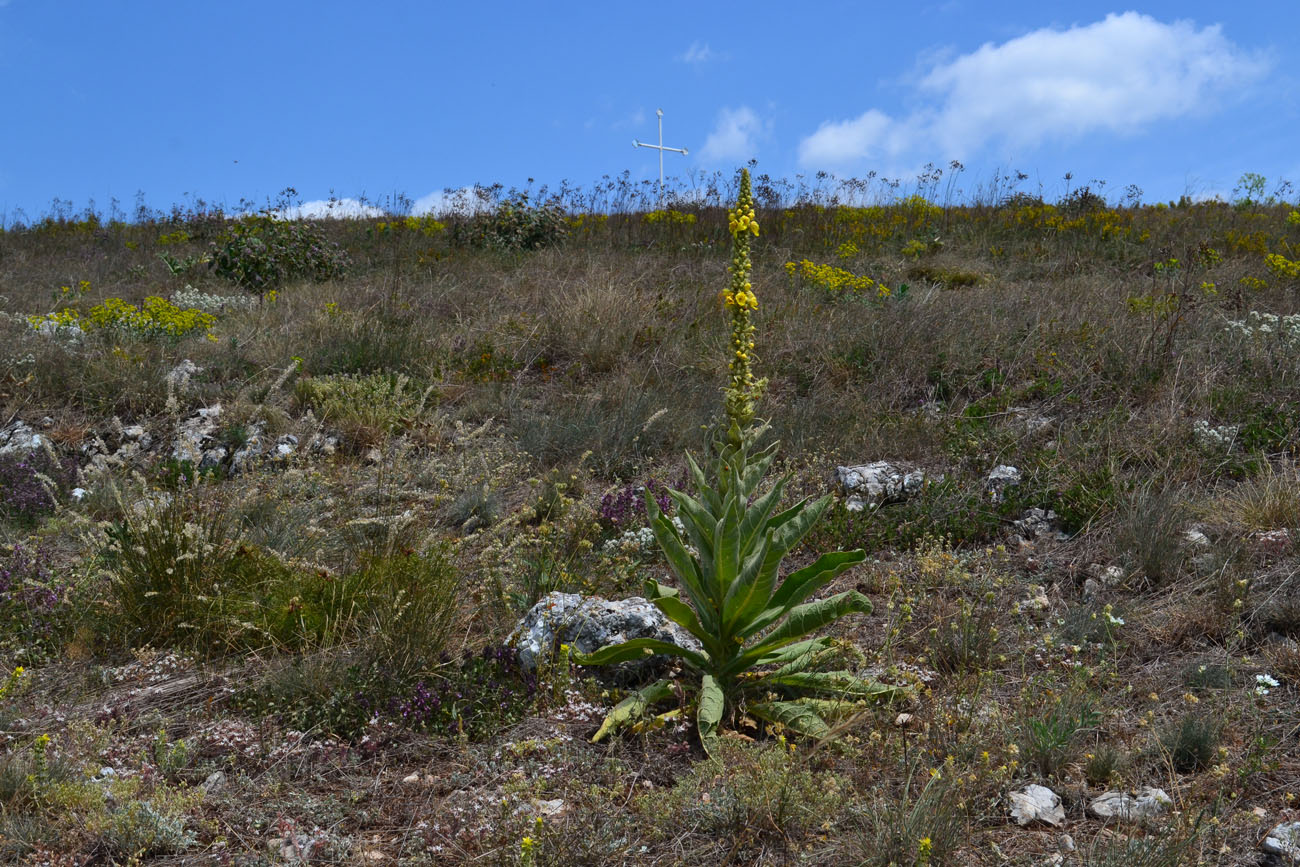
[
  {"x": 1284, "y": 841},
  {"x": 1144, "y": 803},
  {"x": 553, "y": 807},
  {"x": 411, "y": 779},
  {"x": 1035, "y": 803}
]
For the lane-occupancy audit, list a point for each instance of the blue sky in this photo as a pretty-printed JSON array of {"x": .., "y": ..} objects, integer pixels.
[{"x": 240, "y": 99}]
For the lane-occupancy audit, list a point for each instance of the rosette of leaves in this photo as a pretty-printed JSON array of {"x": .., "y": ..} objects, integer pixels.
[{"x": 754, "y": 626}]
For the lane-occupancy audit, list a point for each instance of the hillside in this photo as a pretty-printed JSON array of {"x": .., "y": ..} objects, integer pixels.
[{"x": 274, "y": 494}]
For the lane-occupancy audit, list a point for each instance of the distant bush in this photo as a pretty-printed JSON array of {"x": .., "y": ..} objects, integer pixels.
[
  {"x": 261, "y": 253},
  {"x": 517, "y": 224}
]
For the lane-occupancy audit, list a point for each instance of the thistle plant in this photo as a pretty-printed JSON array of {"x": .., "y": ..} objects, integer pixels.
[{"x": 726, "y": 552}]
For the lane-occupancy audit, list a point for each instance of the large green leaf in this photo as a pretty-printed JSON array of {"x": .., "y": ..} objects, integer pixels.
[
  {"x": 698, "y": 521},
  {"x": 802, "y": 620},
  {"x": 755, "y": 469},
  {"x": 632, "y": 708},
  {"x": 799, "y": 718},
  {"x": 685, "y": 567},
  {"x": 801, "y": 584},
  {"x": 712, "y": 704},
  {"x": 654, "y": 590},
  {"x": 794, "y": 656},
  {"x": 752, "y": 590},
  {"x": 726, "y": 562},
  {"x": 708, "y": 495},
  {"x": 640, "y": 648},
  {"x": 840, "y": 683},
  {"x": 684, "y": 616},
  {"x": 793, "y": 530},
  {"x": 753, "y": 524}
]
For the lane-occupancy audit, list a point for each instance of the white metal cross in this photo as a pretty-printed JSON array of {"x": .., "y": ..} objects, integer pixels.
[{"x": 660, "y": 147}]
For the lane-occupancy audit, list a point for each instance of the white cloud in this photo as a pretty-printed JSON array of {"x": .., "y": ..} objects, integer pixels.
[
  {"x": 873, "y": 134},
  {"x": 340, "y": 209},
  {"x": 465, "y": 200},
  {"x": 699, "y": 52},
  {"x": 734, "y": 137},
  {"x": 1119, "y": 75}
]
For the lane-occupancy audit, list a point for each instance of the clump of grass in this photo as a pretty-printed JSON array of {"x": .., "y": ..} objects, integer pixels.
[
  {"x": 1150, "y": 535},
  {"x": 1266, "y": 501},
  {"x": 963, "y": 641},
  {"x": 1103, "y": 765},
  {"x": 1049, "y": 738},
  {"x": 1190, "y": 743},
  {"x": 757, "y": 796},
  {"x": 366, "y": 408},
  {"x": 922, "y": 828}
]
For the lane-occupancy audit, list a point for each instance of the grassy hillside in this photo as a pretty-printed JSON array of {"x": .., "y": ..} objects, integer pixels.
[{"x": 275, "y": 630}]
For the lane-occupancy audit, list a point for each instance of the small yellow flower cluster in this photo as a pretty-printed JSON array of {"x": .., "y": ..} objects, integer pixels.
[
  {"x": 835, "y": 280},
  {"x": 1282, "y": 266},
  {"x": 178, "y": 237},
  {"x": 157, "y": 317},
  {"x": 425, "y": 225},
  {"x": 742, "y": 219},
  {"x": 670, "y": 216}
]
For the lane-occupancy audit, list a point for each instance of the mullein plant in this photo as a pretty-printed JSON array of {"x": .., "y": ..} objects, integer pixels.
[{"x": 757, "y": 658}]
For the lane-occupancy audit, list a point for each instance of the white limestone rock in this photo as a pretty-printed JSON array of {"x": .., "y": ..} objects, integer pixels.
[
  {"x": 1284, "y": 842},
  {"x": 588, "y": 623},
  {"x": 1035, "y": 803},
  {"x": 1145, "y": 803},
  {"x": 870, "y": 485},
  {"x": 999, "y": 479}
]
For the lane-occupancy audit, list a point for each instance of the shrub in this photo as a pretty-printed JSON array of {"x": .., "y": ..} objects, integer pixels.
[
  {"x": 261, "y": 253},
  {"x": 365, "y": 407},
  {"x": 30, "y": 485},
  {"x": 33, "y": 601},
  {"x": 517, "y": 224}
]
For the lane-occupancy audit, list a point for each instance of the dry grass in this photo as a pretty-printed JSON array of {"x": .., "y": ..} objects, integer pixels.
[{"x": 553, "y": 376}]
